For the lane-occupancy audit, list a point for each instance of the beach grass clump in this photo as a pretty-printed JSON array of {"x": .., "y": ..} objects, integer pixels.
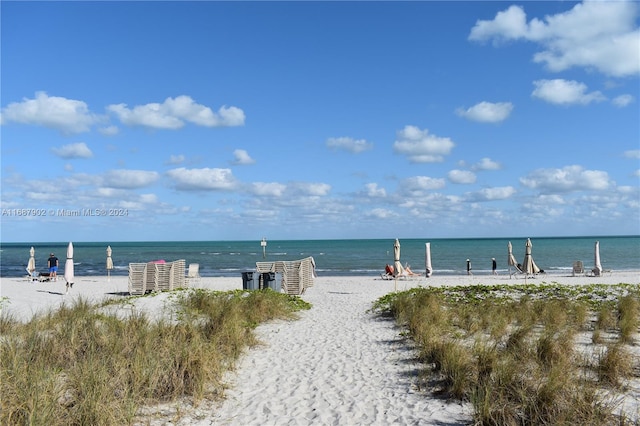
[
  {"x": 614, "y": 364},
  {"x": 629, "y": 318},
  {"x": 78, "y": 365},
  {"x": 509, "y": 350}
]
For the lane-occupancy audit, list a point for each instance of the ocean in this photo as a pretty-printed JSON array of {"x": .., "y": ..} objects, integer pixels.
[{"x": 366, "y": 257}]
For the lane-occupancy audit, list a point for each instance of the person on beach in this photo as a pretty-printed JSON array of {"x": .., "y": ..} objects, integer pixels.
[
  {"x": 468, "y": 267},
  {"x": 52, "y": 263},
  {"x": 494, "y": 266},
  {"x": 408, "y": 270}
]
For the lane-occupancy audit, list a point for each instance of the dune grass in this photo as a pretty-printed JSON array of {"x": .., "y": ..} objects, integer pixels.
[
  {"x": 81, "y": 366},
  {"x": 510, "y": 350}
]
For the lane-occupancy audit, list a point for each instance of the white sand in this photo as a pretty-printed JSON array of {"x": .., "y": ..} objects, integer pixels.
[{"x": 336, "y": 365}]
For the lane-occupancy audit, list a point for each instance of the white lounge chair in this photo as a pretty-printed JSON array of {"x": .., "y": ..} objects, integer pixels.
[
  {"x": 161, "y": 276},
  {"x": 578, "y": 268},
  {"x": 137, "y": 278},
  {"x": 193, "y": 273},
  {"x": 177, "y": 277}
]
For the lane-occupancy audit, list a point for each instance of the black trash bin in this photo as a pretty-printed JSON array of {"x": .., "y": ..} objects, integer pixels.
[
  {"x": 250, "y": 280},
  {"x": 272, "y": 280}
]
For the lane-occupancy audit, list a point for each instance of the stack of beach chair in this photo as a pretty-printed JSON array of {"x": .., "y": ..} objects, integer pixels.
[
  {"x": 297, "y": 275},
  {"x": 153, "y": 276}
]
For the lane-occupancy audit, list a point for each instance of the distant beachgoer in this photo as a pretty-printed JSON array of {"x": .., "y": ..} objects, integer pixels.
[
  {"x": 468, "y": 267},
  {"x": 408, "y": 270},
  {"x": 494, "y": 266},
  {"x": 52, "y": 263},
  {"x": 388, "y": 269}
]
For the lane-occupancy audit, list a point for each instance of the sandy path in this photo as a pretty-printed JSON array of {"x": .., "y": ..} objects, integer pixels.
[{"x": 337, "y": 365}]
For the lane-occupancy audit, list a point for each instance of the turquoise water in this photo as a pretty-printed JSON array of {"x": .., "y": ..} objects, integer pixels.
[{"x": 333, "y": 257}]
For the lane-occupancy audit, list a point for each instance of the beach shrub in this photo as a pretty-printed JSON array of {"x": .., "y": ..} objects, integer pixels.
[
  {"x": 614, "y": 364},
  {"x": 509, "y": 350},
  {"x": 79, "y": 366},
  {"x": 629, "y": 314}
]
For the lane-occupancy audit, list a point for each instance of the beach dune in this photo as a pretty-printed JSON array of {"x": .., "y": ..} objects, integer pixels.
[{"x": 338, "y": 364}]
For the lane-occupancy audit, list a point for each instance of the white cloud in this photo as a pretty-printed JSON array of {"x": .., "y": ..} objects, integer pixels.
[
  {"x": 599, "y": 35},
  {"x": 622, "y": 100},
  {"x": 148, "y": 198},
  {"x": 271, "y": 189},
  {"x": 175, "y": 159},
  {"x": 174, "y": 112},
  {"x": 380, "y": 213},
  {"x": 551, "y": 199},
  {"x": 129, "y": 179},
  {"x": 565, "y": 92},
  {"x": 493, "y": 194},
  {"x": 461, "y": 176},
  {"x": 419, "y": 186},
  {"x": 355, "y": 146},
  {"x": 65, "y": 115},
  {"x": 510, "y": 24},
  {"x": 372, "y": 190},
  {"x": 420, "y": 146},
  {"x": 633, "y": 153},
  {"x": 104, "y": 192},
  {"x": 73, "y": 150},
  {"x": 487, "y": 164},
  {"x": 567, "y": 179},
  {"x": 487, "y": 112},
  {"x": 205, "y": 179},
  {"x": 242, "y": 157},
  {"x": 311, "y": 189}
]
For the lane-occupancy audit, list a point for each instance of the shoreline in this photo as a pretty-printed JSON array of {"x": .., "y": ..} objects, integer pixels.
[{"x": 336, "y": 364}]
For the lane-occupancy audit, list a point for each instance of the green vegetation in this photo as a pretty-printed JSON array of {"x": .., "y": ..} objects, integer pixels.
[
  {"x": 80, "y": 366},
  {"x": 511, "y": 352}
]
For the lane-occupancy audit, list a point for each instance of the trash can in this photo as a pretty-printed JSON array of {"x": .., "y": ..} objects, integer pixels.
[
  {"x": 272, "y": 280},
  {"x": 250, "y": 280}
]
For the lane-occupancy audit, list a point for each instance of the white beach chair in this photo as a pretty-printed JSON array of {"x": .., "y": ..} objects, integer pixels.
[
  {"x": 137, "y": 278},
  {"x": 162, "y": 276},
  {"x": 578, "y": 268},
  {"x": 263, "y": 267},
  {"x": 193, "y": 273},
  {"x": 177, "y": 278}
]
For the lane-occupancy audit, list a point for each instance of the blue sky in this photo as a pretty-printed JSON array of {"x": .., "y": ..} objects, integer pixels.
[{"x": 309, "y": 120}]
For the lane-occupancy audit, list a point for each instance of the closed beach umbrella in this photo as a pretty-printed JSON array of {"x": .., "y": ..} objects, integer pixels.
[
  {"x": 31, "y": 266},
  {"x": 597, "y": 268},
  {"x": 529, "y": 267},
  {"x": 109, "y": 263},
  {"x": 427, "y": 259},
  {"x": 511, "y": 260},
  {"x": 397, "y": 266},
  {"x": 68, "y": 267}
]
